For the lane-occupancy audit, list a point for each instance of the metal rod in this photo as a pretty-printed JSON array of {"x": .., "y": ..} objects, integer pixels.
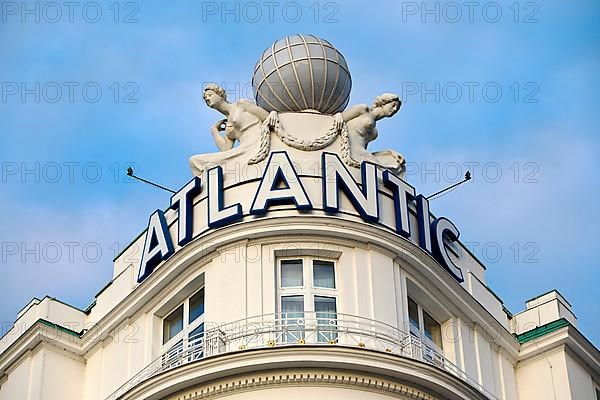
[
  {"x": 467, "y": 178},
  {"x": 130, "y": 173}
]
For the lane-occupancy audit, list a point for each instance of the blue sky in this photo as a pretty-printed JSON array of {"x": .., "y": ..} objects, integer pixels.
[{"x": 532, "y": 117}]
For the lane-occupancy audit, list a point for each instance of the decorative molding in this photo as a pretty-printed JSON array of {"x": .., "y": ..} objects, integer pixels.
[{"x": 303, "y": 378}]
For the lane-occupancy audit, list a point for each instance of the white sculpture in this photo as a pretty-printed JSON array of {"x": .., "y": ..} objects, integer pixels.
[
  {"x": 253, "y": 126},
  {"x": 245, "y": 124},
  {"x": 361, "y": 121}
]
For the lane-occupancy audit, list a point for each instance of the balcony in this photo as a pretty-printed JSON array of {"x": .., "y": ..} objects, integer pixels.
[{"x": 313, "y": 329}]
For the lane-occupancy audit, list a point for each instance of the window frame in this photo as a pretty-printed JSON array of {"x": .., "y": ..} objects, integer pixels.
[
  {"x": 418, "y": 320},
  {"x": 312, "y": 274},
  {"x": 187, "y": 326},
  {"x": 280, "y": 274},
  {"x": 307, "y": 290},
  {"x": 422, "y": 335},
  {"x": 164, "y": 321}
]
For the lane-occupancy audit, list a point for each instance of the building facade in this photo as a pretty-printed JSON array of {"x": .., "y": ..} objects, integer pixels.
[{"x": 298, "y": 264}]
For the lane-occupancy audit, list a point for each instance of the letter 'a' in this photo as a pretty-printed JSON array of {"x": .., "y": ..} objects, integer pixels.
[{"x": 157, "y": 246}]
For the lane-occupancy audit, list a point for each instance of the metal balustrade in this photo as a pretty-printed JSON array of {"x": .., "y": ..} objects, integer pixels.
[{"x": 279, "y": 330}]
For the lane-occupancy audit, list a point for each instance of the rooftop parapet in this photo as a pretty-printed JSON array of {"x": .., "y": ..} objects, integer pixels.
[{"x": 541, "y": 310}]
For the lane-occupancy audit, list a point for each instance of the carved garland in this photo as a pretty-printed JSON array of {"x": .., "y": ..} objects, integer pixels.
[
  {"x": 265, "y": 142},
  {"x": 300, "y": 144}
]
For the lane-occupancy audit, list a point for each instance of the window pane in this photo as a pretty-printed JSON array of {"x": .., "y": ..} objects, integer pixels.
[
  {"x": 413, "y": 314},
  {"x": 326, "y": 311},
  {"x": 432, "y": 329},
  {"x": 173, "y": 324},
  {"x": 292, "y": 306},
  {"x": 291, "y": 273},
  {"x": 196, "y": 305},
  {"x": 323, "y": 274},
  {"x": 292, "y": 314},
  {"x": 325, "y": 307}
]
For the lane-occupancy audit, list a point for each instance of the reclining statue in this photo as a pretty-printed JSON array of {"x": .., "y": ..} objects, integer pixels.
[
  {"x": 360, "y": 121},
  {"x": 243, "y": 124}
]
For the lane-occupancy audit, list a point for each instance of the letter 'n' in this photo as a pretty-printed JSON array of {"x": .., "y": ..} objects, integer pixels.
[
  {"x": 280, "y": 184},
  {"x": 336, "y": 178}
]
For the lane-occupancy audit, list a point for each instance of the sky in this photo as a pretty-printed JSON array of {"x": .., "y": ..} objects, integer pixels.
[{"x": 506, "y": 90}]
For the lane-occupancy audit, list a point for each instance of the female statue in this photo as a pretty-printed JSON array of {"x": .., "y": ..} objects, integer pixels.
[
  {"x": 360, "y": 121},
  {"x": 243, "y": 123}
]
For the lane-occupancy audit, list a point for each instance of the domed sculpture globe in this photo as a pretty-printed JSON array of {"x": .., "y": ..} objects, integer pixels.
[{"x": 302, "y": 72}]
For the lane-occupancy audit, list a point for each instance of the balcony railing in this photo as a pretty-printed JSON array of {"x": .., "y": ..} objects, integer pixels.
[{"x": 279, "y": 330}]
